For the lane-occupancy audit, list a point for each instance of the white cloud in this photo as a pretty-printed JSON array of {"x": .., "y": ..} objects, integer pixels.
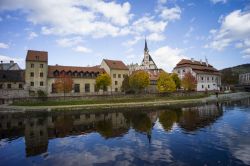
[
  {"x": 7, "y": 59},
  {"x": 235, "y": 27},
  {"x": 218, "y": 1},
  {"x": 171, "y": 14},
  {"x": 82, "y": 49},
  {"x": 3, "y": 45},
  {"x": 86, "y": 17},
  {"x": 32, "y": 35},
  {"x": 69, "y": 42},
  {"x": 155, "y": 37},
  {"x": 167, "y": 57}
]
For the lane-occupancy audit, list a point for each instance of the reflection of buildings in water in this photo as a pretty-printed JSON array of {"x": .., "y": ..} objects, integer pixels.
[
  {"x": 198, "y": 117},
  {"x": 38, "y": 129},
  {"x": 36, "y": 136}
]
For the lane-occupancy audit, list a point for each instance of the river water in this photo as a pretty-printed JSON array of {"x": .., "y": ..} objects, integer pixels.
[{"x": 209, "y": 134}]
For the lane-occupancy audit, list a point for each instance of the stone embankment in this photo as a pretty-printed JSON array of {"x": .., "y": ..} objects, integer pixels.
[{"x": 212, "y": 98}]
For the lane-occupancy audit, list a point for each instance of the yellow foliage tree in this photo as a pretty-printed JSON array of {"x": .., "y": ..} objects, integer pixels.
[
  {"x": 63, "y": 83},
  {"x": 139, "y": 80},
  {"x": 103, "y": 81},
  {"x": 165, "y": 83}
]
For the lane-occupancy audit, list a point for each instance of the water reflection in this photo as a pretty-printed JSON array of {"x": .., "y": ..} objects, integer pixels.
[
  {"x": 218, "y": 132},
  {"x": 38, "y": 128}
]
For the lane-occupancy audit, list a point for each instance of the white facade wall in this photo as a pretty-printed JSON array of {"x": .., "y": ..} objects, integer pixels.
[{"x": 210, "y": 82}]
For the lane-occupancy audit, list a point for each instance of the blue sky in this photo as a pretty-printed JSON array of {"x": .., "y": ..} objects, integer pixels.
[{"x": 83, "y": 32}]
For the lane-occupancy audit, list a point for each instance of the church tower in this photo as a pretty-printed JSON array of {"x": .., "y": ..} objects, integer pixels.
[{"x": 148, "y": 62}]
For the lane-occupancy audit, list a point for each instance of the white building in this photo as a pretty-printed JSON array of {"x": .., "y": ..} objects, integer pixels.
[
  {"x": 244, "y": 79},
  {"x": 208, "y": 78}
]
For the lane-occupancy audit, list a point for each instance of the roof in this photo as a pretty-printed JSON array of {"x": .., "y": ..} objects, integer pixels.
[
  {"x": 9, "y": 66},
  {"x": 12, "y": 76},
  {"x": 197, "y": 66},
  {"x": 33, "y": 55},
  {"x": 115, "y": 64},
  {"x": 52, "y": 69}
]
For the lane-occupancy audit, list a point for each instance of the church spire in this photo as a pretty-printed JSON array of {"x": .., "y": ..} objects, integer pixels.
[{"x": 146, "y": 46}]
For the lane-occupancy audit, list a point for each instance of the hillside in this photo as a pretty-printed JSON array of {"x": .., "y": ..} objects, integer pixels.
[{"x": 231, "y": 75}]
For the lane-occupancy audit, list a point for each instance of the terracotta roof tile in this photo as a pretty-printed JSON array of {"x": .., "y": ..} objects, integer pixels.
[
  {"x": 115, "y": 64},
  {"x": 52, "y": 69},
  {"x": 197, "y": 66},
  {"x": 41, "y": 56}
]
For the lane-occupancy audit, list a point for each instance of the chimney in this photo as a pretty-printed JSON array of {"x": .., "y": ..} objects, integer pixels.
[
  {"x": 192, "y": 59},
  {"x": 206, "y": 61},
  {"x": 200, "y": 61},
  {"x": 11, "y": 62}
]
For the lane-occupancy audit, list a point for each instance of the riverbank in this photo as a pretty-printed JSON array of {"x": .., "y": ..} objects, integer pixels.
[{"x": 160, "y": 101}]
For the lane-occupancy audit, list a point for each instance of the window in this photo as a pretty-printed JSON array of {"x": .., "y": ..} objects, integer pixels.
[
  {"x": 41, "y": 74},
  {"x": 41, "y": 65},
  {"x": 1, "y": 86},
  {"x": 208, "y": 86},
  {"x": 114, "y": 75},
  {"x": 32, "y": 65},
  {"x": 87, "y": 88},
  {"x": 202, "y": 78},
  {"x": 20, "y": 86},
  {"x": 178, "y": 71},
  {"x": 212, "y": 78},
  {"x": 202, "y": 86},
  {"x": 116, "y": 89},
  {"x": 9, "y": 86},
  {"x": 116, "y": 82},
  {"x": 183, "y": 70},
  {"x": 41, "y": 83},
  {"x": 31, "y": 83},
  {"x": 77, "y": 88},
  {"x": 53, "y": 87},
  {"x": 207, "y": 78},
  {"x": 32, "y": 74},
  {"x": 119, "y": 75},
  {"x": 124, "y": 75},
  {"x": 41, "y": 133}
]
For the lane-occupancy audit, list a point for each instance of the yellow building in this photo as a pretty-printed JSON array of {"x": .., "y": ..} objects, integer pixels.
[
  {"x": 117, "y": 71},
  {"x": 41, "y": 76}
]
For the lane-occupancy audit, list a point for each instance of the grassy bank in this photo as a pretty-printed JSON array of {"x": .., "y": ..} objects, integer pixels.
[{"x": 105, "y": 100}]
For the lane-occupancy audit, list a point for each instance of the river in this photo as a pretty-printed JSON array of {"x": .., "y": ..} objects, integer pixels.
[{"x": 208, "y": 134}]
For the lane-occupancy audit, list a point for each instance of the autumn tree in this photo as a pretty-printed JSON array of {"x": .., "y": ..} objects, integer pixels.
[
  {"x": 139, "y": 80},
  {"x": 189, "y": 82},
  {"x": 103, "y": 81},
  {"x": 125, "y": 84},
  {"x": 165, "y": 83},
  {"x": 176, "y": 80},
  {"x": 63, "y": 84}
]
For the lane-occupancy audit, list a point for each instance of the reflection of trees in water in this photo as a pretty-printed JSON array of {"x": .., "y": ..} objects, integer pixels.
[
  {"x": 63, "y": 125},
  {"x": 167, "y": 119},
  {"x": 139, "y": 121},
  {"x": 105, "y": 128},
  {"x": 190, "y": 119}
]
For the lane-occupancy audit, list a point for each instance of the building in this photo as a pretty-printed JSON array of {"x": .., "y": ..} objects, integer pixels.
[
  {"x": 117, "y": 71},
  {"x": 208, "y": 78},
  {"x": 244, "y": 79},
  {"x": 83, "y": 77},
  {"x": 148, "y": 65},
  {"x": 36, "y": 71},
  {"x": 9, "y": 66},
  {"x": 41, "y": 76}
]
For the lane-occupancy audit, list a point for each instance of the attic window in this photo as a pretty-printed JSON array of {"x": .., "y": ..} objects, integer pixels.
[
  {"x": 37, "y": 57},
  {"x": 114, "y": 63}
]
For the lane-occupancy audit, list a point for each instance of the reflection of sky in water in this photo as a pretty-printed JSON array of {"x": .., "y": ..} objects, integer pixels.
[{"x": 216, "y": 140}]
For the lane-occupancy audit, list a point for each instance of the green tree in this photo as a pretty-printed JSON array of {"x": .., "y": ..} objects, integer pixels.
[
  {"x": 139, "y": 80},
  {"x": 189, "y": 82},
  {"x": 103, "y": 81},
  {"x": 176, "y": 80},
  {"x": 165, "y": 83}
]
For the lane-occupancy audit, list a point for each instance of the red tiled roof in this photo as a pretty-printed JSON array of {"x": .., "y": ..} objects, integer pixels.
[
  {"x": 52, "y": 69},
  {"x": 115, "y": 64},
  {"x": 41, "y": 56},
  {"x": 197, "y": 66}
]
